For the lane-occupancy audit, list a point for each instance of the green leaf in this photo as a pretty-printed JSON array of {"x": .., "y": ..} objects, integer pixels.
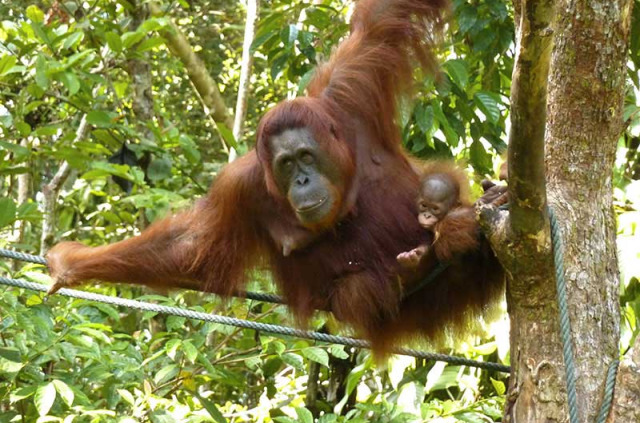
[
  {"x": 278, "y": 64},
  {"x": 6, "y": 118},
  {"x": 166, "y": 373},
  {"x": 424, "y": 117},
  {"x": 22, "y": 393},
  {"x": 189, "y": 148},
  {"x": 11, "y": 354},
  {"x": 159, "y": 169},
  {"x": 44, "y": 398},
  {"x": 445, "y": 126},
  {"x": 484, "y": 39},
  {"x": 317, "y": 17},
  {"x": 65, "y": 392},
  {"x": 261, "y": 39},
  {"x": 470, "y": 417},
  {"x": 304, "y": 415},
  {"x": 73, "y": 40},
  {"x": 289, "y": 35},
  {"x": 99, "y": 118},
  {"x": 227, "y": 135},
  {"x": 338, "y": 352},
  {"x": 171, "y": 348},
  {"x": 304, "y": 81},
  {"x": 150, "y": 43},
  {"x": 485, "y": 349},
  {"x": 23, "y": 128},
  {"x": 316, "y": 354},
  {"x": 293, "y": 360},
  {"x": 19, "y": 150},
  {"x": 114, "y": 41},
  {"x": 153, "y": 24},
  {"x": 71, "y": 82},
  {"x": 35, "y": 14},
  {"x": 7, "y": 63},
  {"x": 457, "y": 70},
  {"x": 211, "y": 408},
  {"x": 127, "y": 396},
  {"x": 190, "y": 351},
  {"x": 354, "y": 378},
  {"x": 498, "y": 386},
  {"x": 42, "y": 66},
  {"x": 8, "y": 368},
  {"x": 131, "y": 38},
  {"x": 7, "y": 211},
  {"x": 488, "y": 104},
  {"x": 467, "y": 18},
  {"x": 479, "y": 157},
  {"x": 284, "y": 419}
]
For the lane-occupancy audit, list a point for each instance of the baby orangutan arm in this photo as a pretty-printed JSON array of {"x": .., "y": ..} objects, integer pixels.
[
  {"x": 456, "y": 234},
  {"x": 411, "y": 259}
]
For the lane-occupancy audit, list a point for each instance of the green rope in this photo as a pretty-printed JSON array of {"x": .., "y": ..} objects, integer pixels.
[
  {"x": 246, "y": 324},
  {"x": 565, "y": 323},
  {"x": 565, "y": 333},
  {"x": 609, "y": 387}
]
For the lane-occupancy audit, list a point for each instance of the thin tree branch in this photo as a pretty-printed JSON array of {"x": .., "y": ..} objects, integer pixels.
[
  {"x": 527, "y": 186},
  {"x": 204, "y": 84},
  {"x": 245, "y": 72}
]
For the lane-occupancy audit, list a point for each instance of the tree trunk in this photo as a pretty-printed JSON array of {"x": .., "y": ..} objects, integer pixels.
[
  {"x": 586, "y": 92},
  {"x": 584, "y": 118}
]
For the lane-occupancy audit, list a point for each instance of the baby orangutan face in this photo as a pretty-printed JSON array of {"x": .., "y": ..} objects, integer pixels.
[{"x": 438, "y": 195}]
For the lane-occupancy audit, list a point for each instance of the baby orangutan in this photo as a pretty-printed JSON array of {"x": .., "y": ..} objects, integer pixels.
[{"x": 445, "y": 210}]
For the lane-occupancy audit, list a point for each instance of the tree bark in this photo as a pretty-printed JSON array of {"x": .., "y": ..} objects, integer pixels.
[
  {"x": 521, "y": 237},
  {"x": 51, "y": 190},
  {"x": 584, "y": 122},
  {"x": 586, "y": 92},
  {"x": 626, "y": 402}
]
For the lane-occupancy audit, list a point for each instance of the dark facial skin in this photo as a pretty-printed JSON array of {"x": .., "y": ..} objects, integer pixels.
[
  {"x": 307, "y": 176},
  {"x": 438, "y": 195}
]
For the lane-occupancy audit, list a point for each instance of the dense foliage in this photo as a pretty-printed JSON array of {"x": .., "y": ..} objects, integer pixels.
[{"x": 152, "y": 149}]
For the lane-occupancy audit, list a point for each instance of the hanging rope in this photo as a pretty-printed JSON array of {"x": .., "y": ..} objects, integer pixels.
[
  {"x": 565, "y": 333},
  {"x": 231, "y": 321}
]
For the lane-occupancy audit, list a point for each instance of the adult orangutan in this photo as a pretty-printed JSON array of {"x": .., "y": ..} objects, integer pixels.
[{"x": 326, "y": 202}]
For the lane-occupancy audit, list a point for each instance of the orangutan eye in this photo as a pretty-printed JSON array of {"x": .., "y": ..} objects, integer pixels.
[
  {"x": 307, "y": 158},
  {"x": 285, "y": 164}
]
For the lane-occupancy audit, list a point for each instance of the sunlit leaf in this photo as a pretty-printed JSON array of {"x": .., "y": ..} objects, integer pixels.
[
  {"x": 316, "y": 354},
  {"x": 114, "y": 41},
  {"x": 304, "y": 415},
  {"x": 7, "y": 211},
  {"x": 44, "y": 398},
  {"x": 65, "y": 392},
  {"x": 489, "y": 105}
]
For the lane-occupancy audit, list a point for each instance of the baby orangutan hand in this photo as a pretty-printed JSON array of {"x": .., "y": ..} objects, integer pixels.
[{"x": 411, "y": 259}]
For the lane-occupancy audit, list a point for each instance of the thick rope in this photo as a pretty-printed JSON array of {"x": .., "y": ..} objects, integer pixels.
[
  {"x": 609, "y": 387},
  {"x": 565, "y": 334},
  {"x": 246, "y": 324},
  {"x": 565, "y": 323},
  {"x": 256, "y": 296}
]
